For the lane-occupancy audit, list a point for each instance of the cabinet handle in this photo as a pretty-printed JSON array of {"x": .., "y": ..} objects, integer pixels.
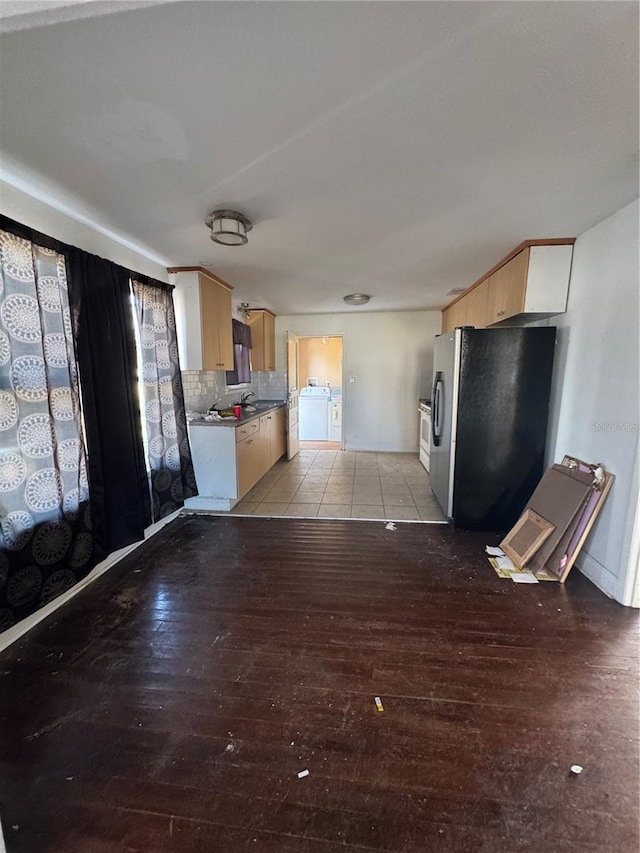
[{"x": 500, "y": 313}]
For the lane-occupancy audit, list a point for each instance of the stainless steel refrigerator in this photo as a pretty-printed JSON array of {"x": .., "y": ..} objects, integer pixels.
[{"x": 490, "y": 406}]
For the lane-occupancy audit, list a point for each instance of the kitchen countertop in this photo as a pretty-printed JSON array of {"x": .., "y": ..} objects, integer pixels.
[{"x": 244, "y": 418}]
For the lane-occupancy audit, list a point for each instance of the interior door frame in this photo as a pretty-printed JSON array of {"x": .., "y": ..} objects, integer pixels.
[
  {"x": 342, "y": 337},
  {"x": 293, "y": 394},
  {"x": 631, "y": 592}
]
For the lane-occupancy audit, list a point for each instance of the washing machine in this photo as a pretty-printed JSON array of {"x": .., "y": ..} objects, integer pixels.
[
  {"x": 335, "y": 415},
  {"x": 314, "y": 413}
]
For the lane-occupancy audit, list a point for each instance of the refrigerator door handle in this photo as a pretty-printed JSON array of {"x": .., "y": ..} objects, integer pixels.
[
  {"x": 436, "y": 420},
  {"x": 434, "y": 409}
]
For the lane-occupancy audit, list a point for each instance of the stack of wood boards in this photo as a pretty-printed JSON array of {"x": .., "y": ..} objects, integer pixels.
[{"x": 569, "y": 496}]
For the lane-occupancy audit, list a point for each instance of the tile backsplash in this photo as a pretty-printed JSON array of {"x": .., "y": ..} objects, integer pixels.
[{"x": 203, "y": 388}]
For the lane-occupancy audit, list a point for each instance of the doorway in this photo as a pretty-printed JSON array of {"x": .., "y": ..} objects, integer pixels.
[{"x": 321, "y": 383}]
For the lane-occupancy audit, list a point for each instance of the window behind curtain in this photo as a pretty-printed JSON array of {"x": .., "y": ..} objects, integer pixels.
[
  {"x": 162, "y": 400},
  {"x": 46, "y": 538}
]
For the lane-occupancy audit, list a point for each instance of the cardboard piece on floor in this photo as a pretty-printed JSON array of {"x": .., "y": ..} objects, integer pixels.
[
  {"x": 572, "y": 495},
  {"x": 560, "y": 564},
  {"x": 559, "y": 497}
]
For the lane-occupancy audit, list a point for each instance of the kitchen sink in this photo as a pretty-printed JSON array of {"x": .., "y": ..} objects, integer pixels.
[{"x": 260, "y": 405}]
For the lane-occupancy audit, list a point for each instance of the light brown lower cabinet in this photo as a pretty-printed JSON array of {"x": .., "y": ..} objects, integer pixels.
[
  {"x": 228, "y": 461},
  {"x": 249, "y": 463},
  {"x": 259, "y": 448},
  {"x": 277, "y": 431},
  {"x": 280, "y": 434}
]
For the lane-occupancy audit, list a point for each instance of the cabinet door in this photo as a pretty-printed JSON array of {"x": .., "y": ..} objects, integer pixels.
[
  {"x": 263, "y": 461},
  {"x": 248, "y": 463},
  {"x": 210, "y": 325},
  {"x": 266, "y": 431},
  {"x": 256, "y": 321},
  {"x": 279, "y": 436},
  {"x": 263, "y": 329},
  {"x": 476, "y": 303},
  {"x": 455, "y": 315},
  {"x": 215, "y": 319},
  {"x": 225, "y": 332},
  {"x": 269, "y": 341},
  {"x": 507, "y": 287}
]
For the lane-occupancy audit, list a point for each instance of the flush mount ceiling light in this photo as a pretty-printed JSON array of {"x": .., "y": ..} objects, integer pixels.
[
  {"x": 356, "y": 299},
  {"x": 228, "y": 227}
]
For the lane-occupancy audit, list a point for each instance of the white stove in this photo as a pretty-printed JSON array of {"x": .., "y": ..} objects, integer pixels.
[{"x": 424, "y": 410}]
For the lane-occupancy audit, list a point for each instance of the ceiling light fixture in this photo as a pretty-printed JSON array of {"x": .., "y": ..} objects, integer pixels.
[
  {"x": 356, "y": 299},
  {"x": 229, "y": 227}
]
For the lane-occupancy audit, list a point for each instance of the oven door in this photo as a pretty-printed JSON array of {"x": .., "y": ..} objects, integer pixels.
[{"x": 425, "y": 436}]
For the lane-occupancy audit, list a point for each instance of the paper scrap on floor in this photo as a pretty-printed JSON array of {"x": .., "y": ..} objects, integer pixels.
[
  {"x": 493, "y": 551},
  {"x": 524, "y": 577}
]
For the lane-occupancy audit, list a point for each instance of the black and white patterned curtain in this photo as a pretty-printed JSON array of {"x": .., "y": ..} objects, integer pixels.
[
  {"x": 46, "y": 540},
  {"x": 169, "y": 454}
]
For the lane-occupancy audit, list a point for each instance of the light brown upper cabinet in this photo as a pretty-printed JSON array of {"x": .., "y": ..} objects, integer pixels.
[
  {"x": 477, "y": 299},
  {"x": 203, "y": 319},
  {"x": 263, "y": 339},
  {"x": 469, "y": 310},
  {"x": 454, "y": 315},
  {"x": 532, "y": 282},
  {"x": 217, "y": 334},
  {"x": 507, "y": 289}
]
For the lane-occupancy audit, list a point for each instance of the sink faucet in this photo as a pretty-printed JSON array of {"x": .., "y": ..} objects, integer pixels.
[{"x": 245, "y": 397}]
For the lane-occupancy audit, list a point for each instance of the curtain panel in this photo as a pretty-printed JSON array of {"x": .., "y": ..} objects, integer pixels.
[
  {"x": 168, "y": 451},
  {"x": 105, "y": 342},
  {"x": 46, "y": 539}
]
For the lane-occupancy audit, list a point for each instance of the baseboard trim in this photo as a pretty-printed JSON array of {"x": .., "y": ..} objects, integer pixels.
[
  {"x": 14, "y": 633},
  {"x": 215, "y": 504},
  {"x": 599, "y": 575}
]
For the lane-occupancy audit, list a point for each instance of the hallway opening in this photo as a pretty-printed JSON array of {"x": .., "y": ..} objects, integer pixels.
[{"x": 321, "y": 381}]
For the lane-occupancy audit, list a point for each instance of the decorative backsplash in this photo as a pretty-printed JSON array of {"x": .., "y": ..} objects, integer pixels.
[{"x": 203, "y": 388}]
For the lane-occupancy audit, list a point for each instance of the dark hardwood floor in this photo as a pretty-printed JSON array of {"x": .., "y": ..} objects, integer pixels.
[{"x": 171, "y": 705}]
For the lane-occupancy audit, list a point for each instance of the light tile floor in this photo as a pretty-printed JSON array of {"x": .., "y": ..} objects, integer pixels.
[{"x": 344, "y": 484}]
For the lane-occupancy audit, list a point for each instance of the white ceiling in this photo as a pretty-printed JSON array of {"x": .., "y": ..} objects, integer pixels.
[{"x": 399, "y": 149}]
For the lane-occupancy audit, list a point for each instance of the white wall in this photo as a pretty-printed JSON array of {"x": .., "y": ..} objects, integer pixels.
[
  {"x": 30, "y": 211},
  {"x": 595, "y": 407},
  {"x": 391, "y": 353}
]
